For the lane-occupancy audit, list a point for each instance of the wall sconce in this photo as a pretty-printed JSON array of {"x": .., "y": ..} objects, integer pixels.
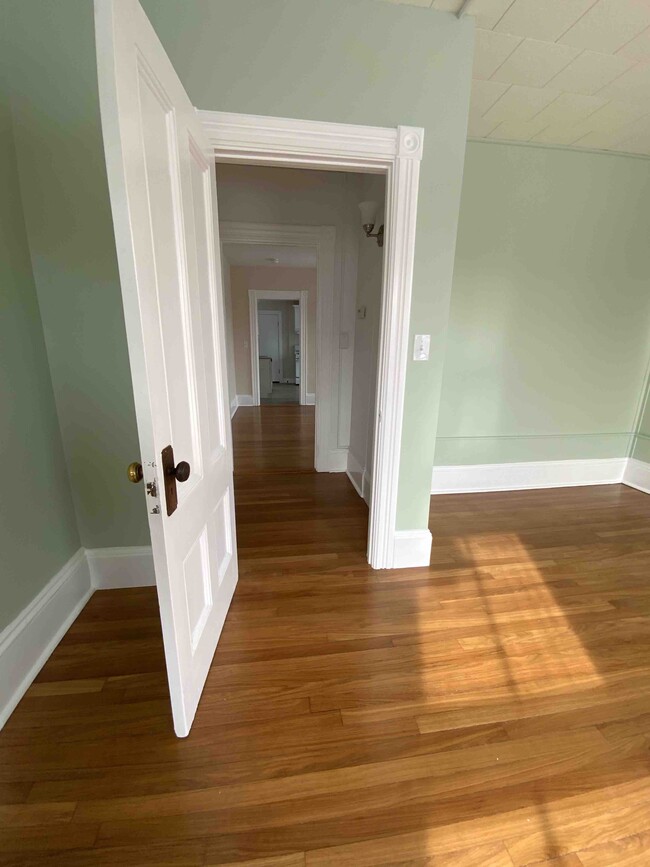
[{"x": 368, "y": 217}]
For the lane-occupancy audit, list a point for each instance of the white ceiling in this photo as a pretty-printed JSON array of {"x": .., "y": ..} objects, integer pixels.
[
  {"x": 564, "y": 72},
  {"x": 260, "y": 254}
]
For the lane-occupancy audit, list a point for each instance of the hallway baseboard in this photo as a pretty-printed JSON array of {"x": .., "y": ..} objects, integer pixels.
[
  {"x": 411, "y": 548},
  {"x": 637, "y": 475},
  {"x": 117, "y": 568},
  {"x": 28, "y": 642},
  {"x": 479, "y": 478}
]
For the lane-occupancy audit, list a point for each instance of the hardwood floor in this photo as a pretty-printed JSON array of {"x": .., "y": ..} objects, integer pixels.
[{"x": 491, "y": 710}]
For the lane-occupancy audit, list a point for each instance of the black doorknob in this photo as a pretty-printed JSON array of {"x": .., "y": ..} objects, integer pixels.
[{"x": 181, "y": 471}]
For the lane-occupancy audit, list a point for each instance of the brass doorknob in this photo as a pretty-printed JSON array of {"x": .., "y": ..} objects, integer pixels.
[{"x": 134, "y": 472}]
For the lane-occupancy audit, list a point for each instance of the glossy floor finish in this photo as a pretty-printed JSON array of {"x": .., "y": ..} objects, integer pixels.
[{"x": 490, "y": 711}]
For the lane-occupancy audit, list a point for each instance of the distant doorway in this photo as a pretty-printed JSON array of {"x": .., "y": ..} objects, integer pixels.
[{"x": 279, "y": 347}]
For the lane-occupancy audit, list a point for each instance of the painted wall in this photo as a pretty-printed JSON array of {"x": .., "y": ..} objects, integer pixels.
[
  {"x": 38, "y": 532},
  {"x": 352, "y": 61},
  {"x": 355, "y": 61},
  {"x": 258, "y": 194},
  {"x": 243, "y": 279},
  {"x": 366, "y": 344},
  {"x": 549, "y": 334},
  {"x": 67, "y": 213}
]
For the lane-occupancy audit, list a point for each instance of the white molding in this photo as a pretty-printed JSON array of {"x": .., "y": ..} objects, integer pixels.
[
  {"x": 245, "y": 400},
  {"x": 27, "y": 642},
  {"x": 354, "y": 472},
  {"x": 353, "y": 481},
  {"x": 395, "y": 152},
  {"x": 411, "y": 548},
  {"x": 399, "y": 239},
  {"x": 637, "y": 475},
  {"x": 279, "y": 140},
  {"x": 233, "y": 406},
  {"x": 337, "y": 461},
  {"x": 323, "y": 238},
  {"x": 116, "y": 568},
  {"x": 366, "y": 486},
  {"x": 475, "y": 478},
  {"x": 310, "y": 398}
]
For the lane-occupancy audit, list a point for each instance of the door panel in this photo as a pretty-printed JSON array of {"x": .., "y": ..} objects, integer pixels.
[{"x": 163, "y": 190}]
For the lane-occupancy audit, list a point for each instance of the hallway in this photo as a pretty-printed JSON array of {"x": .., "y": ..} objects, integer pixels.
[{"x": 492, "y": 710}]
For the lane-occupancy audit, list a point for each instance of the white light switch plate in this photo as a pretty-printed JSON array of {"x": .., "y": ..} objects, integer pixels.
[{"x": 421, "y": 346}]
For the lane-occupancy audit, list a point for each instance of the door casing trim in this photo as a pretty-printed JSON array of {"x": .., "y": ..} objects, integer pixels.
[{"x": 395, "y": 152}]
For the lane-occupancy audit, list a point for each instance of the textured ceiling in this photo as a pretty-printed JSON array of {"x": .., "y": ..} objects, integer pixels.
[{"x": 564, "y": 72}]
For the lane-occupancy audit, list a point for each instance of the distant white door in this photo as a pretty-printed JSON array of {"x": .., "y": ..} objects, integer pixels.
[
  {"x": 162, "y": 184},
  {"x": 270, "y": 340}
]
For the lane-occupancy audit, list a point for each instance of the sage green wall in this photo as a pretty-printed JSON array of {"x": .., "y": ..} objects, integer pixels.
[
  {"x": 351, "y": 61},
  {"x": 38, "y": 533},
  {"x": 68, "y": 218},
  {"x": 357, "y": 61},
  {"x": 549, "y": 332}
]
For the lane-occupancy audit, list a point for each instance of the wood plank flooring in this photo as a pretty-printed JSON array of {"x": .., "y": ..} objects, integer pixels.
[{"x": 492, "y": 710}]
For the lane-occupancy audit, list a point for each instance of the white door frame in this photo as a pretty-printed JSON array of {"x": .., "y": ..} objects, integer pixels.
[
  {"x": 255, "y": 295},
  {"x": 323, "y": 239},
  {"x": 395, "y": 152}
]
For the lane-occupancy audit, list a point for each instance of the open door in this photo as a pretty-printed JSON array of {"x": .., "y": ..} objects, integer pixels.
[{"x": 163, "y": 197}]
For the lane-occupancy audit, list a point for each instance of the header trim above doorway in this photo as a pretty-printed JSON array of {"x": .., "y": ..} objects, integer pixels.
[{"x": 395, "y": 152}]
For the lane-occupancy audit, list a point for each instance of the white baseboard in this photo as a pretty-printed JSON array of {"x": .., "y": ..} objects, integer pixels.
[
  {"x": 355, "y": 473},
  {"x": 116, "y": 568},
  {"x": 233, "y": 406},
  {"x": 245, "y": 400},
  {"x": 637, "y": 475},
  {"x": 526, "y": 475},
  {"x": 411, "y": 548},
  {"x": 310, "y": 399},
  {"x": 27, "y": 643},
  {"x": 337, "y": 461},
  {"x": 366, "y": 486}
]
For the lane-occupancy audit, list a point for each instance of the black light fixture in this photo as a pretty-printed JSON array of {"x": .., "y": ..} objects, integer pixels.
[{"x": 368, "y": 217}]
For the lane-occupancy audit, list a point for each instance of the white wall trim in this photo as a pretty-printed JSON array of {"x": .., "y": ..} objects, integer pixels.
[
  {"x": 411, "y": 548},
  {"x": 475, "y": 478},
  {"x": 245, "y": 400},
  {"x": 27, "y": 642},
  {"x": 233, "y": 406},
  {"x": 395, "y": 152},
  {"x": 310, "y": 398},
  {"x": 637, "y": 475},
  {"x": 354, "y": 472},
  {"x": 116, "y": 568}
]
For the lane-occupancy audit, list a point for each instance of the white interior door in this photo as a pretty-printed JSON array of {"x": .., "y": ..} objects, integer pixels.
[
  {"x": 270, "y": 341},
  {"x": 162, "y": 185}
]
